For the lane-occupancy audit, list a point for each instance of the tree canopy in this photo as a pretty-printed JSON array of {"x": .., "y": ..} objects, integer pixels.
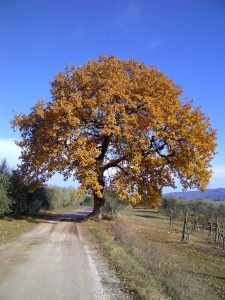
[{"x": 120, "y": 125}]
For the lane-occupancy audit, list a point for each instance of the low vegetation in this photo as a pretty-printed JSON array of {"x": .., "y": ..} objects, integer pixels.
[
  {"x": 11, "y": 228},
  {"x": 152, "y": 261}
]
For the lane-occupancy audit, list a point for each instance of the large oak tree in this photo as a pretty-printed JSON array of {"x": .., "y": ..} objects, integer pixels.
[{"x": 120, "y": 125}]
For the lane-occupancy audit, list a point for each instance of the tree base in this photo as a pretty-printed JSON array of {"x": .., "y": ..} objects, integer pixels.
[{"x": 96, "y": 216}]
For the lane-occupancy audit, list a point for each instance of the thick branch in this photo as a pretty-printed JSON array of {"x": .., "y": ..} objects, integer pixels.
[
  {"x": 146, "y": 153},
  {"x": 114, "y": 163},
  {"x": 166, "y": 157},
  {"x": 153, "y": 147},
  {"x": 122, "y": 169},
  {"x": 104, "y": 148},
  {"x": 158, "y": 149}
]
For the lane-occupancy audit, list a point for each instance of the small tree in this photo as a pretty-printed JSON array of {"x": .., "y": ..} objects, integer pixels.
[{"x": 120, "y": 115}]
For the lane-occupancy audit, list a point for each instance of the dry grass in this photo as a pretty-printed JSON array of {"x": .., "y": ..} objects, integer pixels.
[
  {"x": 155, "y": 264},
  {"x": 11, "y": 228}
]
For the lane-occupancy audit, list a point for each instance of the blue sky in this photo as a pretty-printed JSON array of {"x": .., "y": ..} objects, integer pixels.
[{"x": 184, "y": 38}]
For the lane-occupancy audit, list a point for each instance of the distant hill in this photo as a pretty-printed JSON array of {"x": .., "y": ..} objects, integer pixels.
[{"x": 209, "y": 194}]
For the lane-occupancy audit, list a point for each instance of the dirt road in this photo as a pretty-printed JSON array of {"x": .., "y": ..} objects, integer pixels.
[{"x": 53, "y": 261}]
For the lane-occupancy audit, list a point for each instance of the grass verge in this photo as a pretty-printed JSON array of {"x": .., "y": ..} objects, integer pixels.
[{"x": 153, "y": 263}]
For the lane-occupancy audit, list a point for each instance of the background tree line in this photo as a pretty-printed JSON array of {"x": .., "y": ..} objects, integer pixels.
[
  {"x": 201, "y": 207},
  {"x": 17, "y": 198}
]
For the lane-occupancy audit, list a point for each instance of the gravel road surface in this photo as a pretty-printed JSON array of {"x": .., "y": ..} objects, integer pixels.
[{"x": 54, "y": 261}]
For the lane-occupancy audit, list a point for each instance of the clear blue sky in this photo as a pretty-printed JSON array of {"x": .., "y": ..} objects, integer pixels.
[{"x": 184, "y": 38}]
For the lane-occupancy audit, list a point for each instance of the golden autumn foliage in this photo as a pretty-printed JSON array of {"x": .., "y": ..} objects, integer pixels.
[{"x": 117, "y": 124}]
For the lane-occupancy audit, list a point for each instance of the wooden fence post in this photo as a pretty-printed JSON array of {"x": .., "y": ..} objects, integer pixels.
[
  {"x": 217, "y": 231},
  {"x": 172, "y": 218},
  {"x": 210, "y": 228},
  {"x": 185, "y": 233},
  {"x": 196, "y": 226}
]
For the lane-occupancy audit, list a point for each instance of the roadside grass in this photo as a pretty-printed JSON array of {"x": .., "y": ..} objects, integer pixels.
[
  {"x": 11, "y": 227},
  {"x": 153, "y": 263},
  {"x": 133, "y": 275}
]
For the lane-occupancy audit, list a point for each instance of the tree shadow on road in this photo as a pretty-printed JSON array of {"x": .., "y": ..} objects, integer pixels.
[{"x": 51, "y": 217}]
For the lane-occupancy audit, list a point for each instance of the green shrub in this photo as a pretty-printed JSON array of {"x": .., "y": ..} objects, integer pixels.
[
  {"x": 6, "y": 200},
  {"x": 18, "y": 199},
  {"x": 112, "y": 202},
  {"x": 87, "y": 200}
]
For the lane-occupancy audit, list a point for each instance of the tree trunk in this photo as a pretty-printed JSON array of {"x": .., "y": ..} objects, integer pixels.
[
  {"x": 97, "y": 209},
  {"x": 99, "y": 202}
]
